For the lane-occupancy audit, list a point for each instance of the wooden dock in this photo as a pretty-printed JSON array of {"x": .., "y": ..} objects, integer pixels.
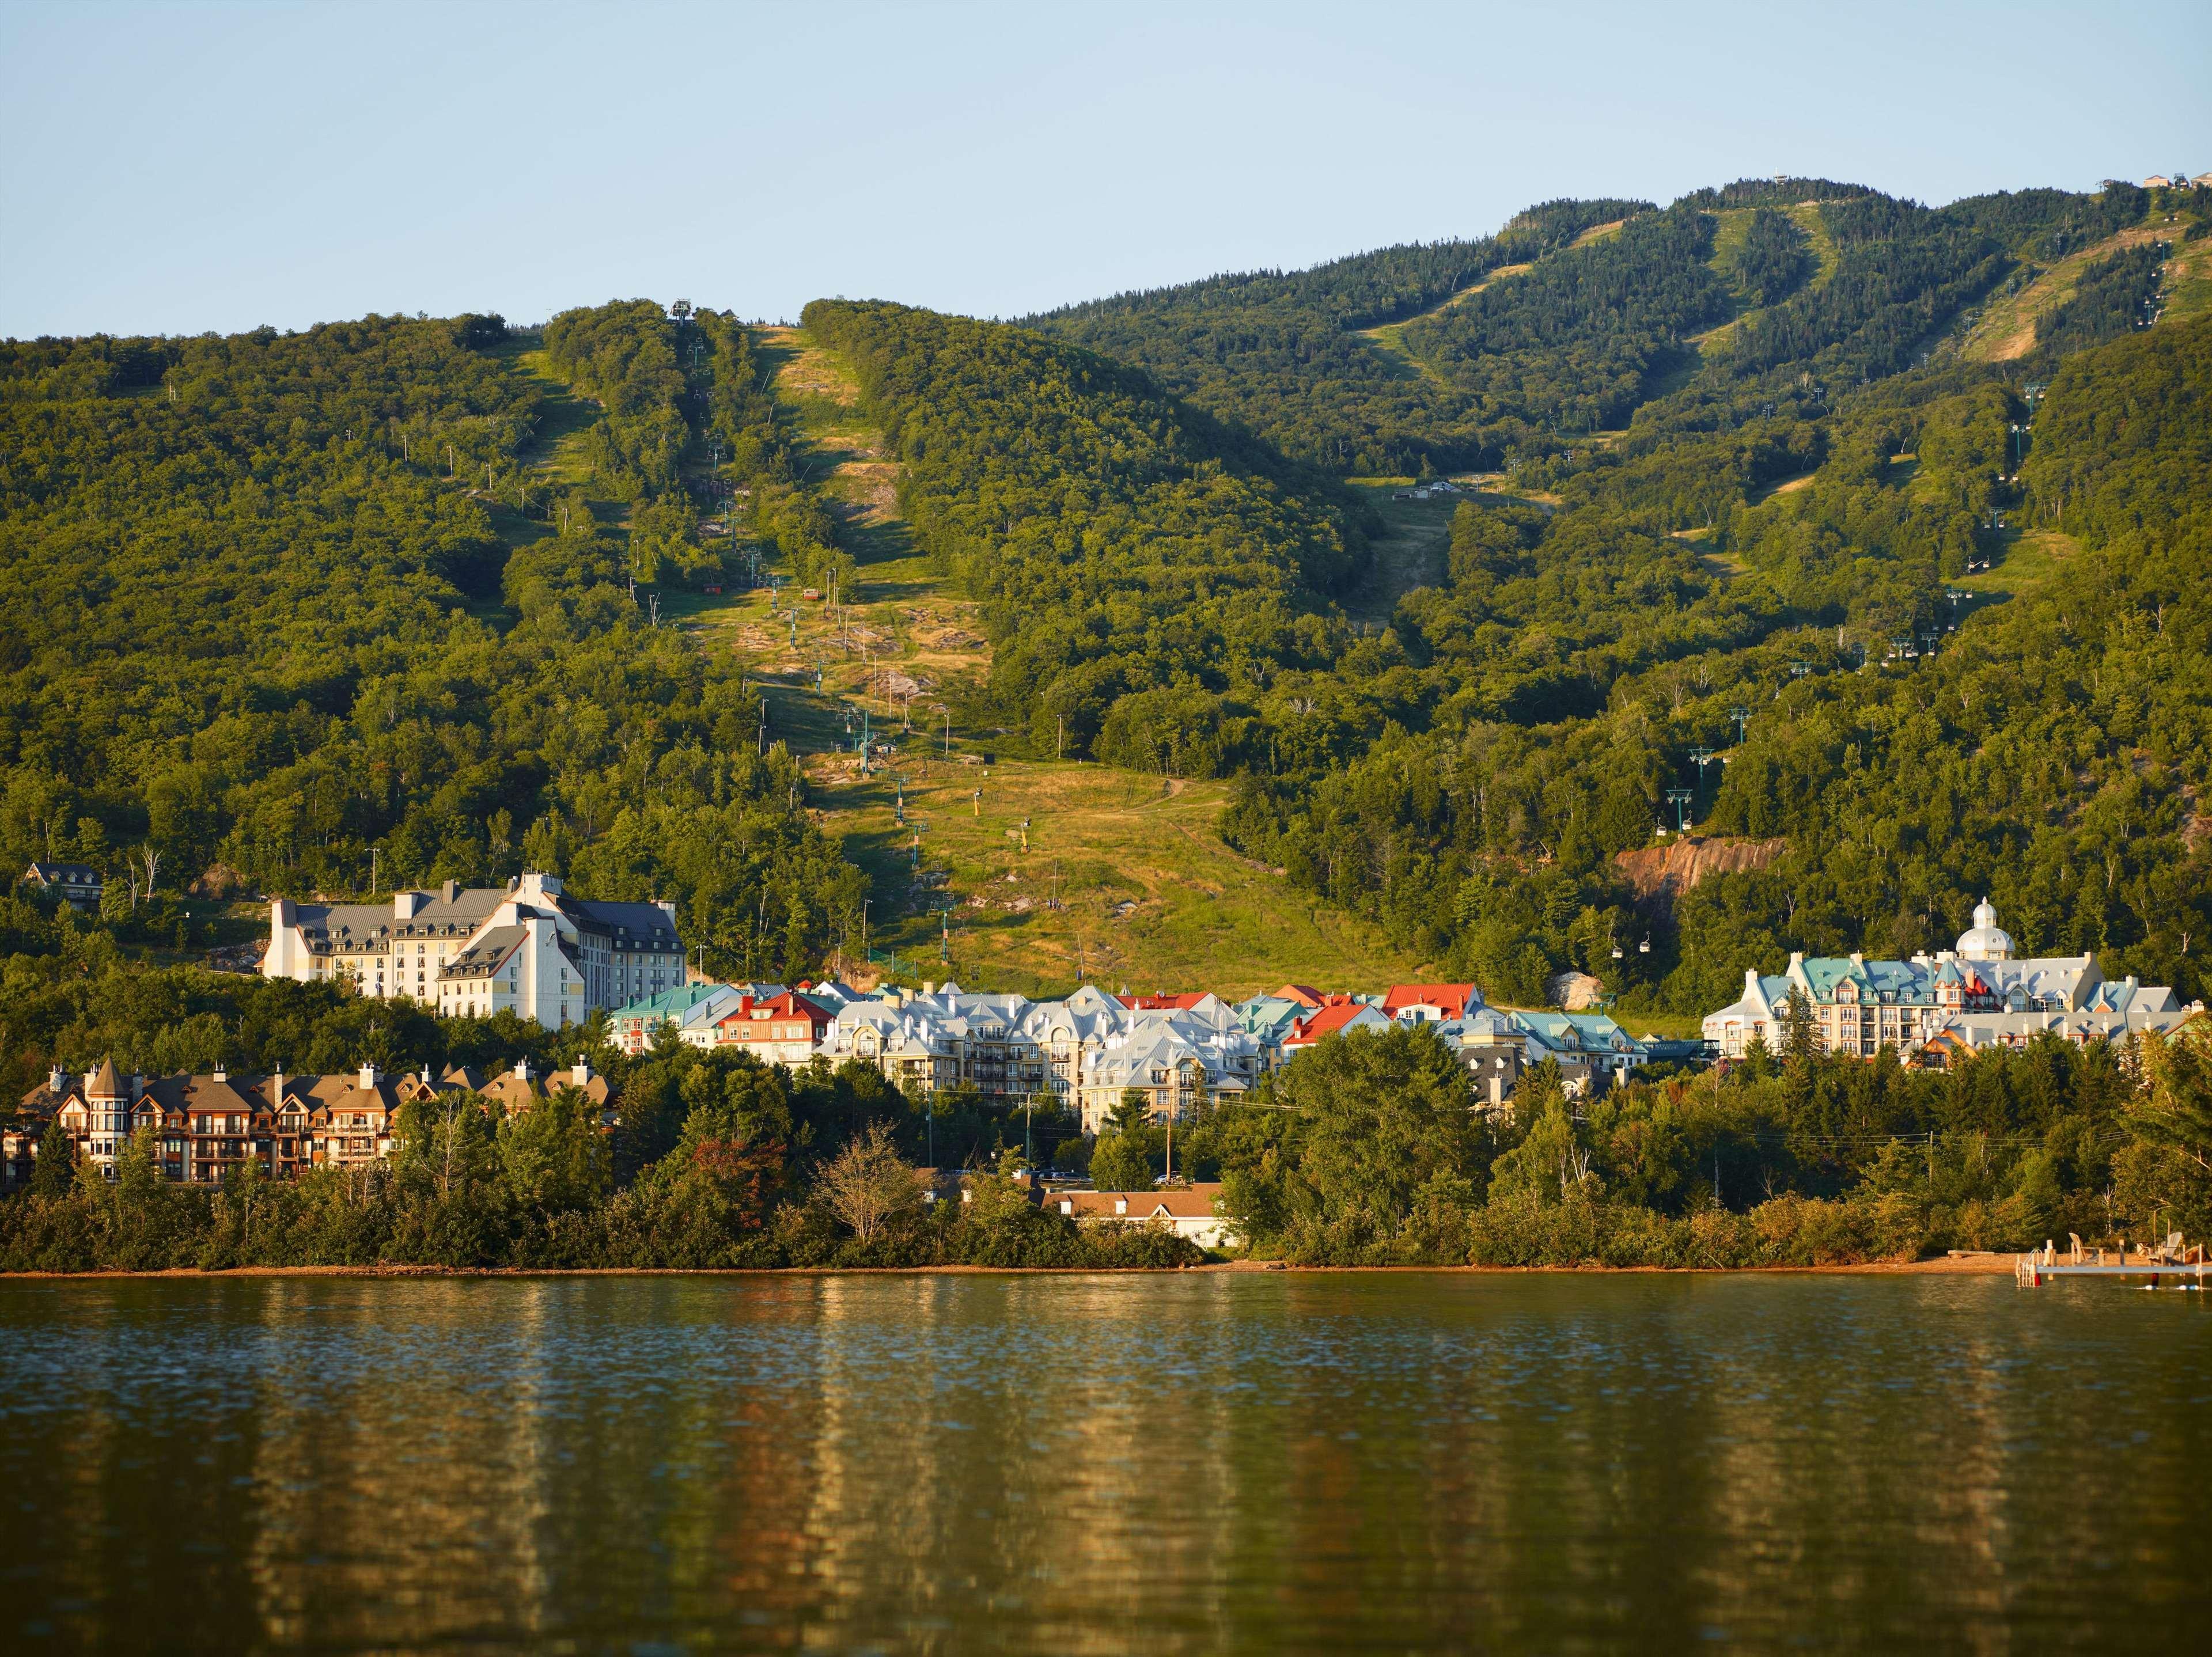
[{"x": 2170, "y": 1259}]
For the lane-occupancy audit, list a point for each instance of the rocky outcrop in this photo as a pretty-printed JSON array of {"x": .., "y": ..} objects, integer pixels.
[
  {"x": 1574, "y": 992},
  {"x": 220, "y": 882},
  {"x": 1660, "y": 874}
]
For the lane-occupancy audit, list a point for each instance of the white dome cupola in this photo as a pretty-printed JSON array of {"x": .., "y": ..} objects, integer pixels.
[{"x": 1987, "y": 941}]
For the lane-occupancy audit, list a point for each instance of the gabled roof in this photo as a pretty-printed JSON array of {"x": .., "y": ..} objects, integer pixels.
[
  {"x": 1452, "y": 999},
  {"x": 1194, "y": 1202},
  {"x": 487, "y": 955},
  {"x": 1341, "y": 1014},
  {"x": 64, "y": 874}
]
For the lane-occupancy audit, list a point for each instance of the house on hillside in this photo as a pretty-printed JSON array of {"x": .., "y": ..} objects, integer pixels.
[{"x": 77, "y": 884}]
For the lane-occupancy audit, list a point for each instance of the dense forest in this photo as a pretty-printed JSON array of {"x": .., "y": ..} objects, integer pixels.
[
  {"x": 274, "y": 603},
  {"x": 1136, "y": 561},
  {"x": 1281, "y": 354}
]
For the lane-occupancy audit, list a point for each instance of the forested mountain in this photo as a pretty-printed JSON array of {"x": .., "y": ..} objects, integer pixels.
[
  {"x": 1282, "y": 354},
  {"x": 1466, "y": 776},
  {"x": 251, "y": 600},
  {"x": 2049, "y": 755},
  {"x": 277, "y": 603},
  {"x": 1512, "y": 345},
  {"x": 1135, "y": 560}
]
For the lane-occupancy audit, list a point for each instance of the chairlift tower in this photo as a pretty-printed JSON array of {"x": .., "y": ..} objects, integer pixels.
[
  {"x": 1679, "y": 799},
  {"x": 1739, "y": 715}
]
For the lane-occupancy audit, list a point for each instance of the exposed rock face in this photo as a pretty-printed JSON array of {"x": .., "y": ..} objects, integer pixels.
[
  {"x": 1574, "y": 992},
  {"x": 1660, "y": 874},
  {"x": 220, "y": 881}
]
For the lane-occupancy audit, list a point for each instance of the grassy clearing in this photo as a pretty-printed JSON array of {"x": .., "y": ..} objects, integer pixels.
[
  {"x": 2188, "y": 280},
  {"x": 1123, "y": 878},
  {"x": 1390, "y": 337},
  {"x": 1808, "y": 217},
  {"x": 1410, "y": 553},
  {"x": 2006, "y": 330},
  {"x": 2032, "y": 559}
]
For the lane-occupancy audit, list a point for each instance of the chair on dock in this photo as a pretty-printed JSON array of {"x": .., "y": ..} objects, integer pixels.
[
  {"x": 2169, "y": 1252},
  {"x": 2075, "y": 1238}
]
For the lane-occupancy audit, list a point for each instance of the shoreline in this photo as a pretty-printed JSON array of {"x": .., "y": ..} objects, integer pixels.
[{"x": 1945, "y": 1265}]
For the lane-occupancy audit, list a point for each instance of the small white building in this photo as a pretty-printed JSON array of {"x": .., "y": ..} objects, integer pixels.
[{"x": 1187, "y": 1210}]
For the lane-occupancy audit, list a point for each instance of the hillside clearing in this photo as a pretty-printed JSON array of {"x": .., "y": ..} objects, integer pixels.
[
  {"x": 2006, "y": 330},
  {"x": 1124, "y": 878}
]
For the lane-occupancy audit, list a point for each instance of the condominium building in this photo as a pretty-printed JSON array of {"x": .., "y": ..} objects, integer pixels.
[
  {"x": 1977, "y": 994},
  {"x": 207, "y": 1127},
  {"x": 529, "y": 949}
]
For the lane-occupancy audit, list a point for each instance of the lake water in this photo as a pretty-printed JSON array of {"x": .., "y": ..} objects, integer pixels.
[{"x": 1189, "y": 1462}]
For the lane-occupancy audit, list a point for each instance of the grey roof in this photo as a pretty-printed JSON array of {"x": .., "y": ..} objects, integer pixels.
[
  {"x": 642, "y": 922},
  {"x": 65, "y": 874},
  {"x": 364, "y": 925},
  {"x": 487, "y": 955}
]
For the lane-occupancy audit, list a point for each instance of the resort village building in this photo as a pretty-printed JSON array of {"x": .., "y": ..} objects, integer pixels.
[
  {"x": 529, "y": 949},
  {"x": 207, "y": 1127},
  {"x": 1974, "y": 995}
]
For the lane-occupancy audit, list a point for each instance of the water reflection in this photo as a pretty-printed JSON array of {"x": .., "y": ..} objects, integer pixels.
[{"x": 1189, "y": 1463}]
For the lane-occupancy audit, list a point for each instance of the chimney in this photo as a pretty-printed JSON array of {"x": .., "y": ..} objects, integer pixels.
[
  {"x": 580, "y": 1073},
  {"x": 222, "y": 1071},
  {"x": 1857, "y": 959},
  {"x": 55, "y": 1079},
  {"x": 1796, "y": 960},
  {"x": 522, "y": 1070},
  {"x": 368, "y": 1076},
  {"x": 449, "y": 889},
  {"x": 404, "y": 904}
]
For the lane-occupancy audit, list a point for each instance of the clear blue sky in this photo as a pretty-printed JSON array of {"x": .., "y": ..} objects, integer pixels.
[{"x": 180, "y": 167}]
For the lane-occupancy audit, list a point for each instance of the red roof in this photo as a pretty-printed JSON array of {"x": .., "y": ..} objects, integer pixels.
[
  {"x": 1194, "y": 1202},
  {"x": 1340, "y": 1011},
  {"x": 1161, "y": 1003},
  {"x": 1453, "y": 999},
  {"x": 1304, "y": 994},
  {"x": 789, "y": 1004}
]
